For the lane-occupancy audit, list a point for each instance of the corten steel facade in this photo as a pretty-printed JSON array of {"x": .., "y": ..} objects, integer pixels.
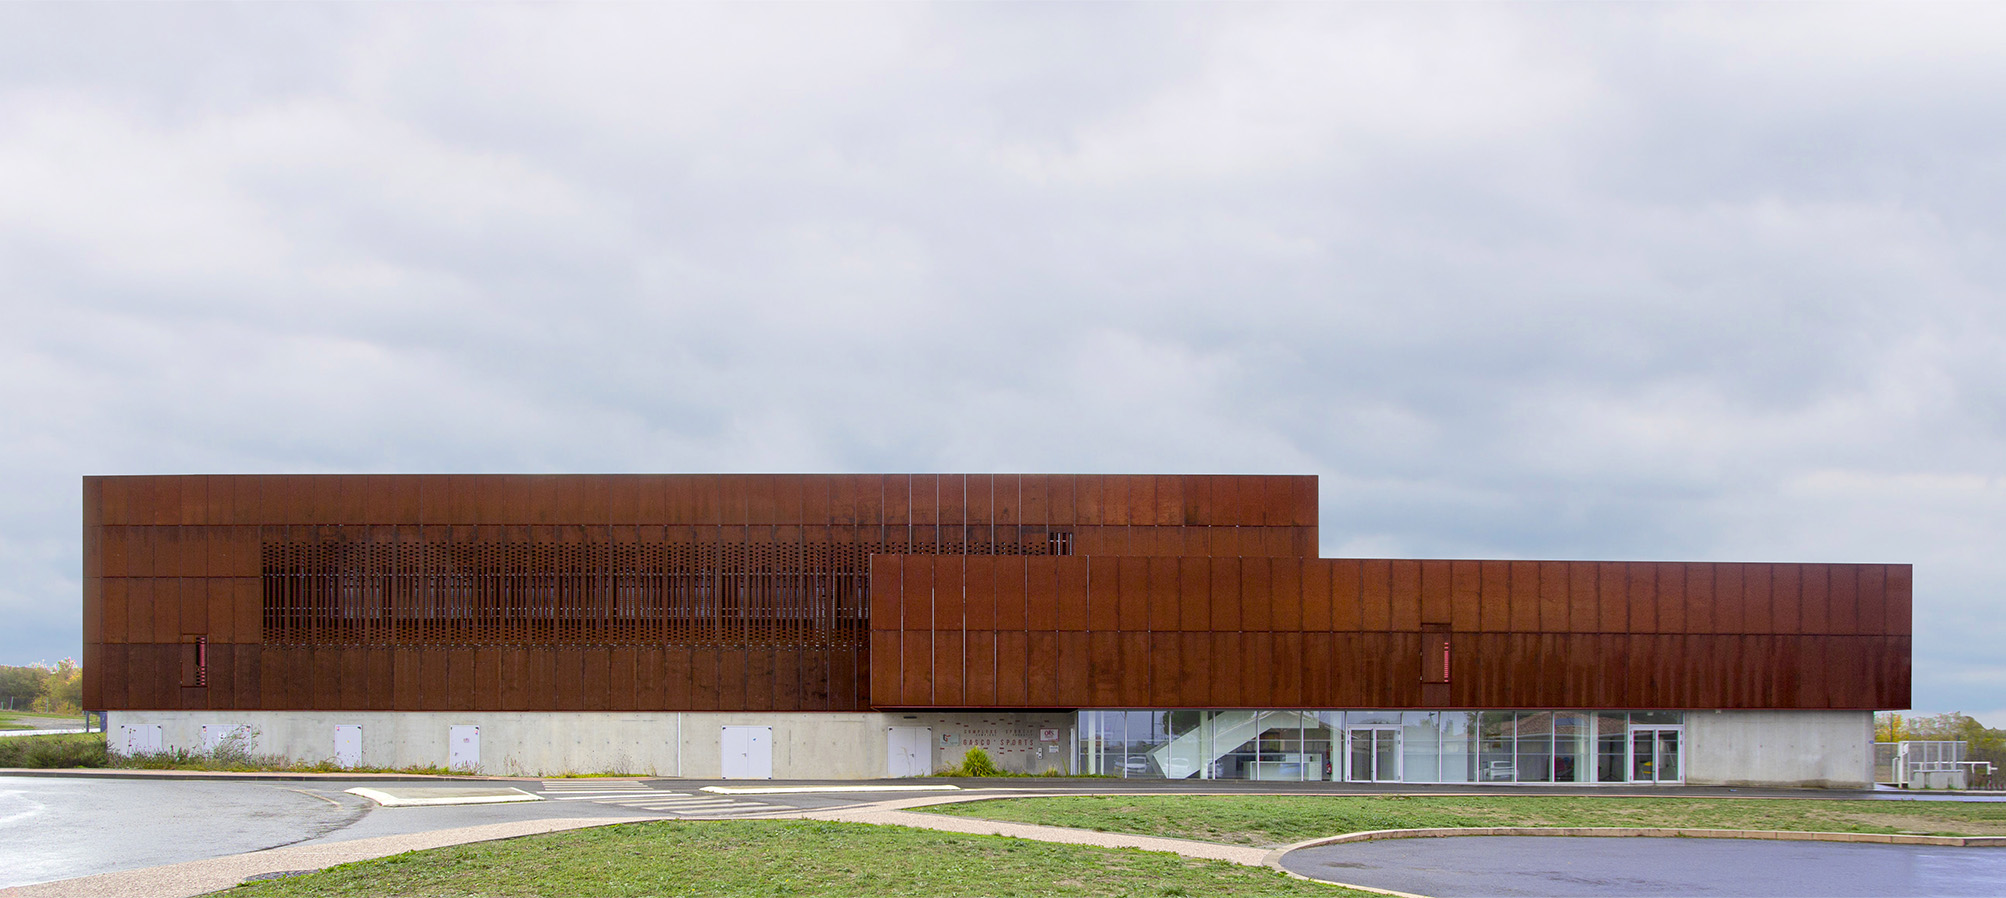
[{"x": 901, "y": 593}]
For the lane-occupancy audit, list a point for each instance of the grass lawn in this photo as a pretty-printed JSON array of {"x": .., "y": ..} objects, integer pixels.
[
  {"x": 776, "y": 857},
  {"x": 1280, "y": 820}
]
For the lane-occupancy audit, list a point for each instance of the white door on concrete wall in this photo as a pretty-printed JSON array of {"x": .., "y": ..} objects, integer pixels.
[
  {"x": 347, "y": 745},
  {"x": 213, "y": 736},
  {"x": 748, "y": 753},
  {"x": 143, "y": 737},
  {"x": 908, "y": 751},
  {"x": 463, "y": 751}
]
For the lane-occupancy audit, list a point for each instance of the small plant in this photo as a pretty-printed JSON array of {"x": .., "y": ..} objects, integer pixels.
[{"x": 975, "y": 762}]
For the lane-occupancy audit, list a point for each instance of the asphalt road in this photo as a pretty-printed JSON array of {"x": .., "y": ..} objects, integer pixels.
[
  {"x": 1562, "y": 867},
  {"x": 61, "y": 827},
  {"x": 57, "y": 828}
]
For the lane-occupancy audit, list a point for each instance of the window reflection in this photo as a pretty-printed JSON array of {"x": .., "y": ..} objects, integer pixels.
[{"x": 1498, "y": 747}]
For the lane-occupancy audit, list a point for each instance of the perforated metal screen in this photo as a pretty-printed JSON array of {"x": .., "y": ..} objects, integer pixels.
[{"x": 814, "y": 595}]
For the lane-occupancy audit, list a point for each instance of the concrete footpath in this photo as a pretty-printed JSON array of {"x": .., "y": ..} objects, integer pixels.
[
  {"x": 192, "y": 878},
  {"x": 184, "y": 880},
  {"x": 201, "y": 877}
]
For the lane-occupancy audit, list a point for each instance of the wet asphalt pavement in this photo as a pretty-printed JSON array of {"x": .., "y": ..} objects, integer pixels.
[
  {"x": 62, "y": 827},
  {"x": 59, "y": 827},
  {"x": 1562, "y": 867}
]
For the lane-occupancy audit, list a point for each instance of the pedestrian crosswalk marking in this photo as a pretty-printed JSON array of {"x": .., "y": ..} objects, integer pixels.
[{"x": 638, "y": 795}]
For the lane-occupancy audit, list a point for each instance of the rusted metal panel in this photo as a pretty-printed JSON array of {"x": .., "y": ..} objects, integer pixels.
[
  {"x": 1286, "y": 592},
  {"x": 1071, "y": 600},
  {"x": 1671, "y": 597},
  {"x": 1437, "y": 591},
  {"x": 1815, "y": 599},
  {"x": 1165, "y": 670},
  {"x": 917, "y": 689},
  {"x": 166, "y": 601},
  {"x": 979, "y": 679},
  {"x": 1553, "y": 603},
  {"x": 1256, "y": 595},
  {"x": 1070, "y": 667},
  {"x": 1163, "y": 598},
  {"x": 949, "y": 587},
  {"x": 219, "y": 598},
  {"x": 113, "y": 614},
  {"x": 114, "y": 501},
  {"x": 947, "y": 668},
  {"x": 623, "y": 688},
  {"x": 1034, "y": 500},
  {"x": 1405, "y": 595},
  {"x": 1524, "y": 605},
  {"x": 718, "y": 677},
  {"x": 1642, "y": 588},
  {"x": 1375, "y": 594},
  {"x": 1104, "y": 670},
  {"x": 1871, "y": 581},
  {"x": 926, "y": 500},
  {"x": 760, "y": 679},
  {"x": 1041, "y": 593},
  {"x": 1345, "y": 581},
  {"x": 1010, "y": 590},
  {"x": 1135, "y": 683},
  {"x": 1730, "y": 589},
  {"x": 1900, "y": 598},
  {"x": 1012, "y": 666},
  {"x": 1287, "y": 691},
  {"x": 1612, "y": 599},
  {"x": 1316, "y": 585},
  {"x": 887, "y": 672},
  {"x": 198, "y": 506},
  {"x": 139, "y": 611},
  {"x": 1223, "y": 669},
  {"x": 1581, "y": 597},
  {"x": 1042, "y": 649},
  {"x": 1168, "y": 508},
  {"x": 1494, "y": 596},
  {"x": 1842, "y": 592}
]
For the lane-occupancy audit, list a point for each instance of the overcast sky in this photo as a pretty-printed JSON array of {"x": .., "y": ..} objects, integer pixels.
[{"x": 1539, "y": 281}]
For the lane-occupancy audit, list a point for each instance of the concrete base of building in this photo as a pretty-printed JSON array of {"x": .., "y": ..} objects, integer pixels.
[
  {"x": 1809, "y": 749},
  {"x": 1814, "y": 749},
  {"x": 685, "y": 744}
]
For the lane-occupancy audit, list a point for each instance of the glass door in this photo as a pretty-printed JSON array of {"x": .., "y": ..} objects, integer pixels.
[
  {"x": 1374, "y": 754},
  {"x": 1656, "y": 754}
]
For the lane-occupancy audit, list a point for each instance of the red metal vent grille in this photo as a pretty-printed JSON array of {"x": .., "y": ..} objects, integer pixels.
[{"x": 800, "y": 595}]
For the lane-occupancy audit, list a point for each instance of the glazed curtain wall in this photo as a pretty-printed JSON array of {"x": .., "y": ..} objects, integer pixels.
[
  {"x": 574, "y": 592},
  {"x": 1573, "y": 746},
  {"x": 1129, "y": 632}
]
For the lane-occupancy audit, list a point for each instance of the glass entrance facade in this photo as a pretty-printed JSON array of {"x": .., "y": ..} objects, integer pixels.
[{"x": 1386, "y": 746}]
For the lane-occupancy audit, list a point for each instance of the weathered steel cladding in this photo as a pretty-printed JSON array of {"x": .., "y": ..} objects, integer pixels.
[
  {"x": 168, "y": 559},
  {"x": 1210, "y": 632}
]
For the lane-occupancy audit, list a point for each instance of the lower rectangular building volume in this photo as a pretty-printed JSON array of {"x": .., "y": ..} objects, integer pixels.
[{"x": 860, "y": 626}]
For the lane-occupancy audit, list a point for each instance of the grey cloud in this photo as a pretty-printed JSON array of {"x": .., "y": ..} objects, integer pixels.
[{"x": 1660, "y": 281}]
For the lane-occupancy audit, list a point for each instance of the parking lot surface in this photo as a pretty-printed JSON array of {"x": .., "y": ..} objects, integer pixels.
[{"x": 1564, "y": 867}]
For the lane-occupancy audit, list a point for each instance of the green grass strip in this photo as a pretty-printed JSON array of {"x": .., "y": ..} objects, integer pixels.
[
  {"x": 764, "y": 858},
  {"x": 1267, "y": 820}
]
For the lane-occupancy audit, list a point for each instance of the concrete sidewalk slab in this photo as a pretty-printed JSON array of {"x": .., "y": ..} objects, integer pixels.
[
  {"x": 121, "y": 773},
  {"x": 192, "y": 878},
  {"x": 421, "y": 796},
  {"x": 803, "y": 790}
]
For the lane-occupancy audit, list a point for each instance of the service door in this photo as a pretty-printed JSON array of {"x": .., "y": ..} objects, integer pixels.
[
  {"x": 908, "y": 751},
  {"x": 142, "y": 738},
  {"x": 464, "y": 752},
  {"x": 347, "y": 745},
  {"x": 748, "y": 753}
]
